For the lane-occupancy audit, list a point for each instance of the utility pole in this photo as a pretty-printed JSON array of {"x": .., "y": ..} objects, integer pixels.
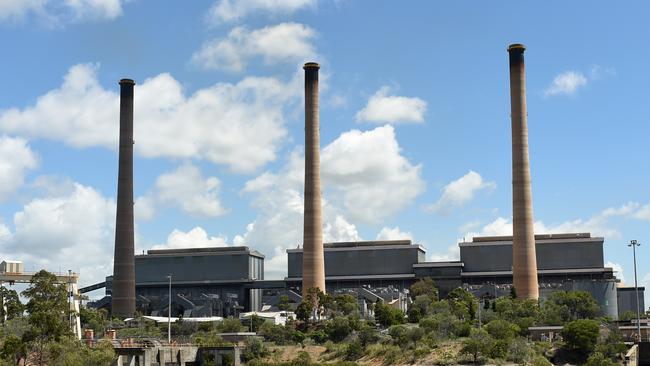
[
  {"x": 169, "y": 312},
  {"x": 634, "y": 244}
]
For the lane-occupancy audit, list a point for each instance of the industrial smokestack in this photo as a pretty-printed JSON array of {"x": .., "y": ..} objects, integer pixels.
[
  {"x": 524, "y": 261},
  {"x": 313, "y": 261},
  {"x": 123, "y": 293}
]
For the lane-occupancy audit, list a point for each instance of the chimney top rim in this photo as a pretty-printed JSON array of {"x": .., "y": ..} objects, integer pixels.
[
  {"x": 127, "y": 81},
  {"x": 516, "y": 46},
  {"x": 311, "y": 65}
]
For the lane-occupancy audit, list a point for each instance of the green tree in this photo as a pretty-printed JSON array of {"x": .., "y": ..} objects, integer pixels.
[
  {"x": 387, "y": 315},
  {"x": 208, "y": 339},
  {"x": 612, "y": 345},
  {"x": 338, "y": 328},
  {"x": 566, "y": 306},
  {"x": 627, "y": 315},
  {"x": 255, "y": 323},
  {"x": 419, "y": 308},
  {"x": 230, "y": 325},
  {"x": 48, "y": 311},
  {"x": 95, "y": 319},
  {"x": 479, "y": 343},
  {"x": 599, "y": 359},
  {"x": 305, "y": 310},
  {"x": 580, "y": 336},
  {"x": 424, "y": 287},
  {"x": 346, "y": 304},
  {"x": 522, "y": 312},
  {"x": 10, "y": 306},
  {"x": 502, "y": 329},
  {"x": 13, "y": 349},
  {"x": 442, "y": 325},
  {"x": 463, "y": 303},
  {"x": 284, "y": 302},
  {"x": 73, "y": 352},
  {"x": 520, "y": 351},
  {"x": 254, "y": 349}
]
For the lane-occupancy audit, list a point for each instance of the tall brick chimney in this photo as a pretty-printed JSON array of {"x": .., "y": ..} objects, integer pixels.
[
  {"x": 123, "y": 293},
  {"x": 313, "y": 261},
  {"x": 524, "y": 261}
]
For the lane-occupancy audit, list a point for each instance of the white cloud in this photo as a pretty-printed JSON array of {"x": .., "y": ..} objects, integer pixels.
[
  {"x": 597, "y": 225},
  {"x": 60, "y": 12},
  {"x": 452, "y": 254},
  {"x": 275, "y": 267},
  {"x": 187, "y": 189},
  {"x": 230, "y": 10},
  {"x": 18, "y": 9},
  {"x": 95, "y": 9},
  {"x": 384, "y": 108},
  {"x": 459, "y": 192},
  {"x": 366, "y": 175},
  {"x": 340, "y": 229},
  {"x": 395, "y": 233},
  {"x": 363, "y": 176},
  {"x": 566, "y": 83},
  {"x": 16, "y": 158},
  {"x": 239, "y": 125},
  {"x": 618, "y": 271},
  {"x": 73, "y": 228},
  {"x": 195, "y": 238},
  {"x": 285, "y": 42},
  {"x": 643, "y": 213}
]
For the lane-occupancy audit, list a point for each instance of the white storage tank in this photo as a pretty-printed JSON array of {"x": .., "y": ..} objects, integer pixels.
[{"x": 12, "y": 267}]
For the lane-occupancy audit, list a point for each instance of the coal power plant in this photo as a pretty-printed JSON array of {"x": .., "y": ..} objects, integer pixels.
[
  {"x": 230, "y": 280},
  {"x": 225, "y": 281}
]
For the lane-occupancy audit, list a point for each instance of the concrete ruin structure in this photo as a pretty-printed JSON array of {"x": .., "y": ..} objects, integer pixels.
[
  {"x": 123, "y": 292},
  {"x": 313, "y": 262},
  {"x": 523, "y": 246}
]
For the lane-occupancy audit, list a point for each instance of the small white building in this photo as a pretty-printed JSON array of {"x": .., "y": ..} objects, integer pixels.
[
  {"x": 8, "y": 266},
  {"x": 276, "y": 317}
]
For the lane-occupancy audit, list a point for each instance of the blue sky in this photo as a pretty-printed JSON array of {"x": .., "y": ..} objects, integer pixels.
[{"x": 415, "y": 126}]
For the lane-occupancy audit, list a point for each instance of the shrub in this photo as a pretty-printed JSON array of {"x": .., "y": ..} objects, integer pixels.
[
  {"x": 230, "y": 325},
  {"x": 387, "y": 315},
  {"x": 599, "y": 359},
  {"x": 391, "y": 355},
  {"x": 421, "y": 350},
  {"x": 443, "y": 325},
  {"x": 254, "y": 349},
  {"x": 424, "y": 287},
  {"x": 297, "y": 336},
  {"x": 302, "y": 359},
  {"x": 353, "y": 351},
  {"x": 519, "y": 351},
  {"x": 499, "y": 348},
  {"x": 207, "y": 339},
  {"x": 338, "y": 329},
  {"x": 502, "y": 329},
  {"x": 478, "y": 344},
  {"x": 581, "y": 336},
  {"x": 540, "y": 361},
  {"x": 278, "y": 334},
  {"x": 319, "y": 336}
]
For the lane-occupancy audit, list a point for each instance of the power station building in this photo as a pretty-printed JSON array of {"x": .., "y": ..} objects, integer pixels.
[{"x": 228, "y": 280}]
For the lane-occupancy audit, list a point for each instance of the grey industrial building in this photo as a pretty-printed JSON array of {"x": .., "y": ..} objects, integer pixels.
[{"x": 225, "y": 281}]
